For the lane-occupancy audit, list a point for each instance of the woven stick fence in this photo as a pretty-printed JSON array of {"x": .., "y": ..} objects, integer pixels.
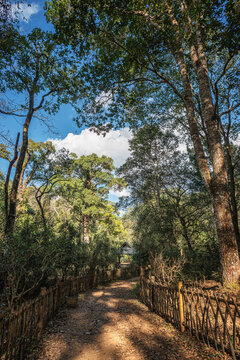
[
  {"x": 213, "y": 318},
  {"x": 23, "y": 327}
]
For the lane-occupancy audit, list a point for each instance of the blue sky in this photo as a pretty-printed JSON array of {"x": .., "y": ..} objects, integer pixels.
[
  {"x": 65, "y": 131},
  {"x": 33, "y": 16}
]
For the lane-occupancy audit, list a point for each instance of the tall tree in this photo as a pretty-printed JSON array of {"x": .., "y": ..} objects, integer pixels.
[
  {"x": 51, "y": 168},
  {"x": 41, "y": 71},
  {"x": 164, "y": 184},
  {"x": 88, "y": 189},
  {"x": 150, "y": 57},
  {"x": 37, "y": 156}
]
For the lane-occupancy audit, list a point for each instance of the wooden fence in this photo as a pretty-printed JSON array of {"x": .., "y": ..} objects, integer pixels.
[
  {"x": 23, "y": 327},
  {"x": 213, "y": 318}
]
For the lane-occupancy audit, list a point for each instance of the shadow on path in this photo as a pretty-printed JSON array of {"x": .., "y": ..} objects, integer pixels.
[{"x": 111, "y": 324}]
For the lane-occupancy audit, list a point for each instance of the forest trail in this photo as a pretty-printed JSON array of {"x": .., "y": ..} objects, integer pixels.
[{"x": 111, "y": 324}]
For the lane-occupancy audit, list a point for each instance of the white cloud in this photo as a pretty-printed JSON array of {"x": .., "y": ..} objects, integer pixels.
[
  {"x": 124, "y": 192},
  {"x": 25, "y": 11},
  {"x": 237, "y": 141},
  {"x": 104, "y": 99},
  {"x": 114, "y": 144}
]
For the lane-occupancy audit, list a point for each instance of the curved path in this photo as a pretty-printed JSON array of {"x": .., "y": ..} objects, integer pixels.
[{"x": 111, "y": 324}]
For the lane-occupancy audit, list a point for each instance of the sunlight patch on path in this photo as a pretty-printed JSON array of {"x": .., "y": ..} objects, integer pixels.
[{"x": 110, "y": 324}]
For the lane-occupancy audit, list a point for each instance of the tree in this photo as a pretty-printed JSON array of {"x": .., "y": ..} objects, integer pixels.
[
  {"x": 43, "y": 72},
  {"x": 88, "y": 189},
  {"x": 52, "y": 168},
  {"x": 37, "y": 156},
  {"x": 149, "y": 57},
  {"x": 7, "y": 22},
  {"x": 170, "y": 203}
]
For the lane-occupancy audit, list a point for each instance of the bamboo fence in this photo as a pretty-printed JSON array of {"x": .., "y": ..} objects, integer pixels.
[
  {"x": 22, "y": 328},
  {"x": 212, "y": 317}
]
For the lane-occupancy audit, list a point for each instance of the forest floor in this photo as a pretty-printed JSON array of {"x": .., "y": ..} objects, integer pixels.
[{"x": 111, "y": 324}]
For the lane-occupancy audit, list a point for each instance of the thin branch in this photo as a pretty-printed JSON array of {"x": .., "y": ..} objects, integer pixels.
[
  {"x": 11, "y": 112},
  {"x": 138, "y": 80},
  {"x": 224, "y": 70},
  {"x": 230, "y": 109},
  {"x": 161, "y": 76},
  {"x": 43, "y": 98}
]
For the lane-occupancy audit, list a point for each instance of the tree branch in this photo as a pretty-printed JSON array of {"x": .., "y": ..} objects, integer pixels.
[
  {"x": 43, "y": 98},
  {"x": 11, "y": 112},
  {"x": 229, "y": 110},
  {"x": 161, "y": 76}
]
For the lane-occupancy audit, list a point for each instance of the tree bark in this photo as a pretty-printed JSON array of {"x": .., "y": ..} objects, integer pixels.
[
  {"x": 232, "y": 189},
  {"x": 217, "y": 183},
  {"x": 10, "y": 221},
  {"x": 6, "y": 185},
  {"x": 232, "y": 184}
]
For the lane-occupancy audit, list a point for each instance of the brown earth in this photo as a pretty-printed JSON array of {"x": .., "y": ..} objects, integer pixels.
[{"x": 111, "y": 324}]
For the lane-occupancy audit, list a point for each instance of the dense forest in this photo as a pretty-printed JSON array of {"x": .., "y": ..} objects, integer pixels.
[{"x": 168, "y": 70}]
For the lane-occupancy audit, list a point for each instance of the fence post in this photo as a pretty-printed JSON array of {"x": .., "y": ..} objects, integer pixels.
[
  {"x": 153, "y": 292},
  {"x": 181, "y": 306},
  {"x": 141, "y": 275},
  {"x": 42, "y": 311}
]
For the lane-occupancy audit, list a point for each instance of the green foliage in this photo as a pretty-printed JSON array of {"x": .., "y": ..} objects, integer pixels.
[
  {"x": 71, "y": 189},
  {"x": 41, "y": 70},
  {"x": 87, "y": 190},
  {"x": 127, "y": 49},
  {"x": 71, "y": 256},
  {"x": 172, "y": 210},
  {"x": 26, "y": 262}
]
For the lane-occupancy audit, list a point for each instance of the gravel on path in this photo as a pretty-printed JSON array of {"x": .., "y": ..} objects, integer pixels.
[{"x": 111, "y": 324}]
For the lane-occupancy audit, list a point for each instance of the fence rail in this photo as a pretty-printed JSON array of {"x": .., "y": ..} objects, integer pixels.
[
  {"x": 213, "y": 318},
  {"x": 23, "y": 327}
]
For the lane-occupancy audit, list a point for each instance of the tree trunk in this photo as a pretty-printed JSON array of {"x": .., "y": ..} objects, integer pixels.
[
  {"x": 19, "y": 197},
  {"x": 217, "y": 186},
  {"x": 234, "y": 208},
  {"x": 226, "y": 236},
  {"x": 22, "y": 185},
  {"x": 185, "y": 233},
  {"x": 6, "y": 185},
  {"x": 232, "y": 189},
  {"x": 10, "y": 221},
  {"x": 86, "y": 237},
  {"x": 38, "y": 198}
]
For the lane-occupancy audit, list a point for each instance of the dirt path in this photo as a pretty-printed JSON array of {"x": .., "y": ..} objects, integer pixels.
[{"x": 111, "y": 324}]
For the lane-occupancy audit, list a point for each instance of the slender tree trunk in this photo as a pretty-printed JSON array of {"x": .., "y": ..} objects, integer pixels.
[
  {"x": 185, "y": 233},
  {"x": 38, "y": 198},
  {"x": 10, "y": 221},
  {"x": 6, "y": 185},
  {"x": 86, "y": 237},
  {"x": 21, "y": 185},
  {"x": 19, "y": 197}
]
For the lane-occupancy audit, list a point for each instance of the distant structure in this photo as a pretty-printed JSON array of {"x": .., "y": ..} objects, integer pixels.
[{"x": 126, "y": 249}]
